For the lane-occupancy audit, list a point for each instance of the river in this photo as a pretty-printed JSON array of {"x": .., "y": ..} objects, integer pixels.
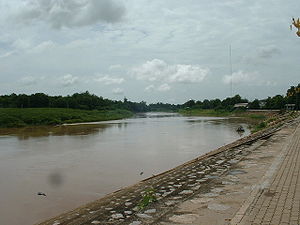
[{"x": 76, "y": 164}]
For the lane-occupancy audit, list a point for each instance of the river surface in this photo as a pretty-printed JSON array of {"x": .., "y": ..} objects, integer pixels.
[{"x": 76, "y": 164}]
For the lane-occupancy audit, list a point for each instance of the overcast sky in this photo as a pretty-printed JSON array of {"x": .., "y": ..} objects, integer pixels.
[{"x": 151, "y": 50}]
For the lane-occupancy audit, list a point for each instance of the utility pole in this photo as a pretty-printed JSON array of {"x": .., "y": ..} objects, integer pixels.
[{"x": 230, "y": 63}]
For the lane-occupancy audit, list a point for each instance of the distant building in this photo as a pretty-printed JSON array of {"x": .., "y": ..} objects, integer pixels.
[
  {"x": 262, "y": 103},
  {"x": 241, "y": 105}
]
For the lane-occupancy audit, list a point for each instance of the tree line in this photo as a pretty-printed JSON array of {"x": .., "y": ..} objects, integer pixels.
[{"x": 89, "y": 101}]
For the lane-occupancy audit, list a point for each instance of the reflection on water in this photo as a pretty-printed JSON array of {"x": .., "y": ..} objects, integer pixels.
[
  {"x": 44, "y": 131},
  {"x": 156, "y": 115},
  {"x": 75, "y": 164}
]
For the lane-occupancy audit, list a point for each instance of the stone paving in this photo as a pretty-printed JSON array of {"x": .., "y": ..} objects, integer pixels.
[
  {"x": 171, "y": 188},
  {"x": 231, "y": 191},
  {"x": 279, "y": 202}
]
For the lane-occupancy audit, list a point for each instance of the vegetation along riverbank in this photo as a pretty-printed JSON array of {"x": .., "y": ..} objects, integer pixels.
[
  {"x": 16, "y": 117},
  {"x": 41, "y": 109}
]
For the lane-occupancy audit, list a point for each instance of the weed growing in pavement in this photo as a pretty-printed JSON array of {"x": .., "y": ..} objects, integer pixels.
[{"x": 147, "y": 198}]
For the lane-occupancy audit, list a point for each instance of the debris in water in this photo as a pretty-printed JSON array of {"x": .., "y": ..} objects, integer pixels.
[{"x": 240, "y": 129}]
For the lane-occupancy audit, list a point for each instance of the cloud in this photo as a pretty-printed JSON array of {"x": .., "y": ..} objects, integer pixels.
[
  {"x": 22, "y": 44},
  {"x": 248, "y": 78},
  {"x": 118, "y": 91},
  {"x": 43, "y": 46},
  {"x": 161, "y": 88},
  {"x": 7, "y": 54},
  {"x": 28, "y": 80},
  {"x": 150, "y": 88},
  {"x": 262, "y": 55},
  {"x": 158, "y": 70},
  {"x": 69, "y": 80},
  {"x": 164, "y": 87},
  {"x": 75, "y": 13},
  {"x": 188, "y": 74},
  {"x": 240, "y": 77},
  {"x": 115, "y": 67},
  {"x": 106, "y": 79},
  {"x": 268, "y": 52}
]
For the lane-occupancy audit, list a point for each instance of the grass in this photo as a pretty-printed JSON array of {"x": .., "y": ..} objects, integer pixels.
[
  {"x": 259, "y": 127},
  {"x": 205, "y": 112},
  {"x": 15, "y": 117},
  {"x": 256, "y": 121},
  {"x": 147, "y": 198}
]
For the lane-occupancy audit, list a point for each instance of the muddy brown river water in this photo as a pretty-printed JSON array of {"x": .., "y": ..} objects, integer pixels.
[{"x": 76, "y": 164}]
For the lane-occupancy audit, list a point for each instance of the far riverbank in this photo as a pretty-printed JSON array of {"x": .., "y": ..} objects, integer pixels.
[{"x": 22, "y": 117}]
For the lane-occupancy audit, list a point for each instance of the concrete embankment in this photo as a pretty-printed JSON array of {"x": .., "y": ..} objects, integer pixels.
[{"x": 210, "y": 188}]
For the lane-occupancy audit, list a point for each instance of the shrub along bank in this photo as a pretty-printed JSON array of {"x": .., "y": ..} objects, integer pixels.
[{"x": 17, "y": 117}]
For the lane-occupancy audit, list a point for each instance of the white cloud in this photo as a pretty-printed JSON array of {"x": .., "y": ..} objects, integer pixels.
[
  {"x": 151, "y": 70},
  {"x": 240, "y": 77},
  {"x": 164, "y": 87},
  {"x": 161, "y": 88},
  {"x": 247, "y": 78},
  {"x": 28, "y": 80},
  {"x": 149, "y": 88},
  {"x": 22, "y": 44},
  {"x": 188, "y": 74},
  {"x": 68, "y": 80},
  {"x": 158, "y": 70},
  {"x": 66, "y": 13},
  {"x": 118, "y": 91},
  {"x": 107, "y": 80},
  {"x": 43, "y": 46}
]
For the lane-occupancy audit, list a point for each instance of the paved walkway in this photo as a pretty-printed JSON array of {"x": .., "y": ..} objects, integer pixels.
[{"x": 279, "y": 202}]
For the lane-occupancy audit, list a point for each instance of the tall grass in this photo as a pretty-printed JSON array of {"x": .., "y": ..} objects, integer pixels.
[{"x": 205, "y": 112}]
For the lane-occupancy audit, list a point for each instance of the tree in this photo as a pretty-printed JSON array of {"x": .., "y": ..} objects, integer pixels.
[
  {"x": 293, "y": 96},
  {"x": 254, "y": 104},
  {"x": 39, "y": 100}
]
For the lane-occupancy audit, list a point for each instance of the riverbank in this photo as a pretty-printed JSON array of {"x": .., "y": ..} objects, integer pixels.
[
  {"x": 251, "y": 114},
  {"x": 170, "y": 188},
  {"x": 257, "y": 119},
  {"x": 23, "y": 117},
  {"x": 16, "y": 117}
]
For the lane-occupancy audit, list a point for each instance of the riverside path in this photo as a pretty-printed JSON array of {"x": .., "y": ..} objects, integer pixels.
[{"x": 279, "y": 202}]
